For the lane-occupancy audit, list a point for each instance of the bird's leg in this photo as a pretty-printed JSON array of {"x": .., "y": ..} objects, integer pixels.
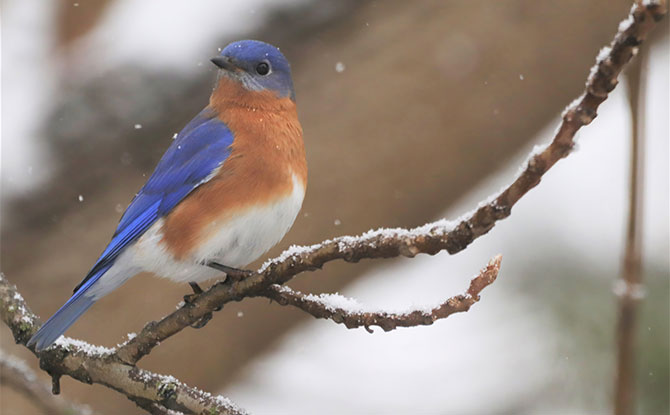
[
  {"x": 189, "y": 298},
  {"x": 234, "y": 274},
  {"x": 196, "y": 288}
]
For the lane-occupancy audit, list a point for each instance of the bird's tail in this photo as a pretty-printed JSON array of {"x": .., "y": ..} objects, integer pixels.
[
  {"x": 77, "y": 305},
  {"x": 61, "y": 321}
]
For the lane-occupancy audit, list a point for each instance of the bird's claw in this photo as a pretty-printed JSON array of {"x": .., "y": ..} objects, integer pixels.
[
  {"x": 190, "y": 298},
  {"x": 202, "y": 321}
]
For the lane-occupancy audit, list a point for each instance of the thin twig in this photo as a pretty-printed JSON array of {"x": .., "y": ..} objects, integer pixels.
[
  {"x": 15, "y": 374},
  {"x": 93, "y": 364},
  {"x": 432, "y": 237},
  {"x": 321, "y": 307},
  {"x": 630, "y": 288}
]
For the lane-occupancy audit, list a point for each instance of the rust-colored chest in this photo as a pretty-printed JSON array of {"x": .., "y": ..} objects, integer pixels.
[{"x": 267, "y": 158}]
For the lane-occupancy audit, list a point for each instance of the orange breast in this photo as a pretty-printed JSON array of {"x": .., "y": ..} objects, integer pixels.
[{"x": 267, "y": 151}]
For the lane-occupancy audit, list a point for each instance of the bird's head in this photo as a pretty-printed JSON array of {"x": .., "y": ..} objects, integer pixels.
[{"x": 258, "y": 66}]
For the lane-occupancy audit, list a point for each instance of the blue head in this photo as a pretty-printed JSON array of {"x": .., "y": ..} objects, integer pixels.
[{"x": 258, "y": 66}]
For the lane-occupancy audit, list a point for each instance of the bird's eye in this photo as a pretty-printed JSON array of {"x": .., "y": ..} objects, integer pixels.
[{"x": 263, "y": 68}]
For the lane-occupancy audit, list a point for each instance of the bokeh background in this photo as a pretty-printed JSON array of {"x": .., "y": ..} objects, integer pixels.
[{"x": 412, "y": 111}]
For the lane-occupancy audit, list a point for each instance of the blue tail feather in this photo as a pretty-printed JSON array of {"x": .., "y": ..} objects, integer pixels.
[
  {"x": 65, "y": 316},
  {"x": 61, "y": 321}
]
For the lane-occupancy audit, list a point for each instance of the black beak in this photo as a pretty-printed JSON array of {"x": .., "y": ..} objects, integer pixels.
[{"x": 224, "y": 62}]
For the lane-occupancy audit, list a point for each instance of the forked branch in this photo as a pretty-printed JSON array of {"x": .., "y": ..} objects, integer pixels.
[
  {"x": 432, "y": 237},
  {"x": 157, "y": 394},
  {"x": 349, "y": 312}
]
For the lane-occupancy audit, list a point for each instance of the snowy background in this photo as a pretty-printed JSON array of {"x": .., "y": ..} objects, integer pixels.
[
  {"x": 412, "y": 111},
  {"x": 524, "y": 347}
]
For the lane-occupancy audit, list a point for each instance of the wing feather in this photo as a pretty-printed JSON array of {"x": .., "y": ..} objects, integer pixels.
[{"x": 199, "y": 149}]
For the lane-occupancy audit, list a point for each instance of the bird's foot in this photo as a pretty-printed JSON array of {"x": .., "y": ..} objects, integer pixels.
[
  {"x": 232, "y": 274},
  {"x": 202, "y": 321},
  {"x": 190, "y": 298}
]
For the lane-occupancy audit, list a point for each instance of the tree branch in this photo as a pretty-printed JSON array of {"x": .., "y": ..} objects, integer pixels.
[
  {"x": 630, "y": 287},
  {"x": 154, "y": 408},
  {"x": 94, "y": 364},
  {"x": 347, "y": 311},
  {"x": 16, "y": 374},
  {"x": 161, "y": 394},
  {"x": 432, "y": 237}
]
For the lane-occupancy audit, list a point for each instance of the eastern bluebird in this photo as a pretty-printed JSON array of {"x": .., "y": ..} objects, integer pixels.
[{"x": 226, "y": 190}]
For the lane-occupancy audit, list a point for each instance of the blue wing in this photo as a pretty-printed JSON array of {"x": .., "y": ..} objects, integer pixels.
[{"x": 201, "y": 147}]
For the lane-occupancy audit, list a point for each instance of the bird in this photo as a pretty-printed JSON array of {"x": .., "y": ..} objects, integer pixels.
[{"x": 227, "y": 189}]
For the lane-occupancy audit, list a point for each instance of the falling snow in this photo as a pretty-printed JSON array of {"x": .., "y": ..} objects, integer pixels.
[{"x": 126, "y": 159}]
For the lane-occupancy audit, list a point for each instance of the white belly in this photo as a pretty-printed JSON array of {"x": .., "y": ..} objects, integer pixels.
[{"x": 235, "y": 243}]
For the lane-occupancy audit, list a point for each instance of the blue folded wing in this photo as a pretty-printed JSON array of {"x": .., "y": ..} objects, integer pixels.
[{"x": 199, "y": 149}]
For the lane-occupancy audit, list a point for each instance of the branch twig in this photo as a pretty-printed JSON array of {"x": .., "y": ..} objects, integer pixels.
[
  {"x": 630, "y": 288},
  {"x": 16, "y": 374},
  {"x": 320, "y": 307},
  {"x": 432, "y": 237},
  {"x": 93, "y": 364}
]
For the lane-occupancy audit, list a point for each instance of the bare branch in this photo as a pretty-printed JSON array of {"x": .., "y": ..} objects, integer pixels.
[
  {"x": 321, "y": 307},
  {"x": 432, "y": 237},
  {"x": 16, "y": 374},
  {"x": 94, "y": 364},
  {"x": 630, "y": 288},
  {"x": 161, "y": 394}
]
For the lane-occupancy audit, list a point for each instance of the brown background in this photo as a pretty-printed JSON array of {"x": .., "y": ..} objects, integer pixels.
[{"x": 430, "y": 102}]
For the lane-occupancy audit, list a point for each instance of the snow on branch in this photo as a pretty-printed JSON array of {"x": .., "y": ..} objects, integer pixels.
[
  {"x": 432, "y": 237},
  {"x": 115, "y": 368},
  {"x": 349, "y": 312},
  {"x": 94, "y": 364}
]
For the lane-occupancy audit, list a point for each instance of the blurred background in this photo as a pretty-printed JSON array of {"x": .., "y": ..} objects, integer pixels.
[{"x": 411, "y": 111}]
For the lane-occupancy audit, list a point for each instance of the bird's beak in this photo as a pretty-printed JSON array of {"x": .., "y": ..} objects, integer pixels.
[{"x": 225, "y": 63}]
